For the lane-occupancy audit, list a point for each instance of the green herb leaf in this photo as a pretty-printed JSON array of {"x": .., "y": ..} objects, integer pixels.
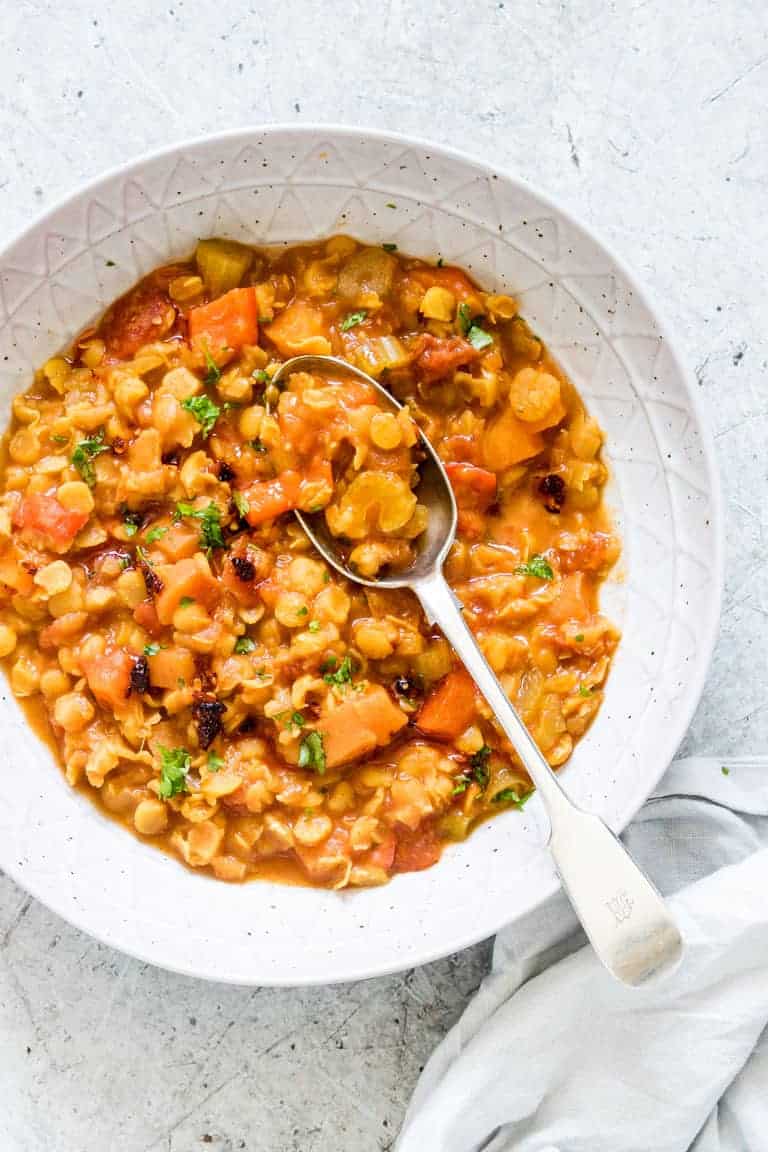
[
  {"x": 725, "y": 771},
  {"x": 186, "y": 601},
  {"x": 537, "y": 566},
  {"x": 60, "y": 439},
  {"x": 579, "y": 638},
  {"x": 312, "y": 752},
  {"x": 213, "y": 375},
  {"x": 110, "y": 264},
  {"x": 351, "y": 320},
  {"x": 211, "y": 535},
  {"x": 584, "y": 690},
  {"x": 155, "y": 533},
  {"x": 153, "y": 648},
  {"x": 389, "y": 247},
  {"x": 214, "y": 762},
  {"x": 302, "y": 611},
  {"x": 298, "y": 719},
  {"x": 260, "y": 376},
  {"x": 204, "y": 411},
  {"x": 125, "y": 562},
  {"x": 130, "y": 528},
  {"x": 478, "y": 771},
  {"x": 173, "y": 773},
  {"x": 257, "y": 446},
  {"x": 390, "y": 205},
  {"x": 244, "y": 644},
  {"x": 314, "y": 626},
  {"x": 511, "y": 796},
  {"x": 84, "y": 453},
  {"x": 342, "y": 675},
  {"x": 464, "y": 317},
  {"x": 240, "y": 502},
  {"x": 479, "y": 338}
]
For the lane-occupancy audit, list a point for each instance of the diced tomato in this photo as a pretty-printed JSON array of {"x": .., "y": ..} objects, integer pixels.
[
  {"x": 448, "y": 277},
  {"x": 226, "y": 324},
  {"x": 436, "y": 357},
  {"x": 416, "y": 850},
  {"x": 474, "y": 487},
  {"x": 270, "y": 498},
  {"x": 572, "y": 603},
  {"x": 145, "y": 615},
  {"x": 143, "y": 315},
  {"x": 109, "y": 677},
  {"x": 593, "y": 554},
  {"x": 450, "y": 708},
  {"x": 383, "y": 855},
  {"x": 43, "y": 513}
]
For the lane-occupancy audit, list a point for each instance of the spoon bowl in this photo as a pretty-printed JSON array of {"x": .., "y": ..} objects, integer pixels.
[
  {"x": 625, "y": 918},
  {"x": 433, "y": 491}
]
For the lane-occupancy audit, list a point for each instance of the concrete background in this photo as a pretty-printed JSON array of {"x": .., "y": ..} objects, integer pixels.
[{"x": 648, "y": 120}]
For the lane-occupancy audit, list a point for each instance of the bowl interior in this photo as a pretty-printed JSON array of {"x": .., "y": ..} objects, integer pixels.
[{"x": 291, "y": 185}]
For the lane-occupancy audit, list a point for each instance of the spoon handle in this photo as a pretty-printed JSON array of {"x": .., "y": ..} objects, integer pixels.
[{"x": 625, "y": 918}]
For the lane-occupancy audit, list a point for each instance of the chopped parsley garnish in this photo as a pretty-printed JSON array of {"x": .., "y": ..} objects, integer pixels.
[
  {"x": 186, "y": 601},
  {"x": 390, "y": 205},
  {"x": 204, "y": 411},
  {"x": 110, "y": 264},
  {"x": 155, "y": 533},
  {"x": 130, "y": 527},
  {"x": 342, "y": 675},
  {"x": 537, "y": 566},
  {"x": 302, "y": 611},
  {"x": 173, "y": 773},
  {"x": 153, "y": 648},
  {"x": 314, "y": 626},
  {"x": 312, "y": 753},
  {"x": 214, "y": 762},
  {"x": 260, "y": 376},
  {"x": 511, "y": 796},
  {"x": 725, "y": 771},
  {"x": 244, "y": 644},
  {"x": 389, "y": 247},
  {"x": 352, "y": 319},
  {"x": 579, "y": 639},
  {"x": 464, "y": 316},
  {"x": 478, "y": 771},
  {"x": 479, "y": 338},
  {"x": 60, "y": 439},
  {"x": 84, "y": 453},
  {"x": 213, "y": 375},
  {"x": 584, "y": 690},
  {"x": 257, "y": 446},
  {"x": 211, "y": 535},
  {"x": 241, "y": 503},
  {"x": 298, "y": 719}
]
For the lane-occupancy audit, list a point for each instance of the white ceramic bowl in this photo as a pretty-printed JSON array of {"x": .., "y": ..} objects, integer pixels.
[{"x": 286, "y": 184}]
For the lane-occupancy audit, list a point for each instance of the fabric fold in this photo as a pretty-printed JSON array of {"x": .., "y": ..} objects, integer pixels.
[{"x": 552, "y": 1055}]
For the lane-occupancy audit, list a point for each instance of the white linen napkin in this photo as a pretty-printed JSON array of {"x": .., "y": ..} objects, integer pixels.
[{"x": 553, "y": 1055}]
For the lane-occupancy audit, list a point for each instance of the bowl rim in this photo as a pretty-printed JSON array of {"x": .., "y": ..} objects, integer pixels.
[{"x": 707, "y": 634}]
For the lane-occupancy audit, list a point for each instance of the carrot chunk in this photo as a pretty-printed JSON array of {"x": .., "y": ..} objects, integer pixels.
[
  {"x": 355, "y": 728},
  {"x": 225, "y": 324},
  {"x": 186, "y": 578},
  {"x": 270, "y": 498},
  {"x": 43, "y": 513},
  {"x": 450, "y": 708}
]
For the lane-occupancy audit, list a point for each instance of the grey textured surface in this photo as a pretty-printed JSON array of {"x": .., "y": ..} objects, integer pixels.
[{"x": 648, "y": 120}]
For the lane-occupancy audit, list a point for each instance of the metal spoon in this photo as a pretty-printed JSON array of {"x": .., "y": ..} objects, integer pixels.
[{"x": 625, "y": 918}]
